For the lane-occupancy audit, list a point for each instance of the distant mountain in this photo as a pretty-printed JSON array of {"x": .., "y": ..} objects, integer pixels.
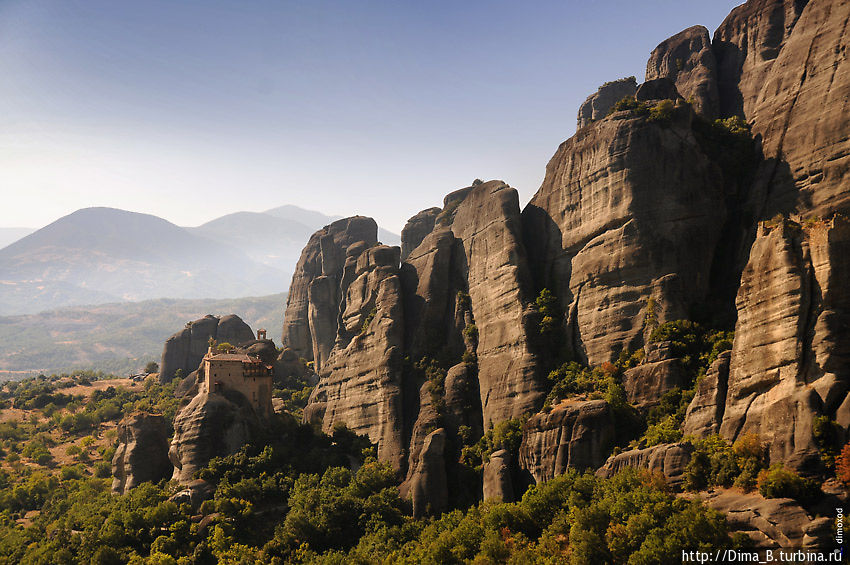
[
  {"x": 11, "y": 235},
  {"x": 99, "y": 254},
  {"x": 274, "y": 237},
  {"x": 116, "y": 337}
]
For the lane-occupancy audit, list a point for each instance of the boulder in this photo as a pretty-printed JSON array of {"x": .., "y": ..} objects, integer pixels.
[
  {"x": 771, "y": 523},
  {"x": 668, "y": 459},
  {"x": 416, "y": 229},
  {"x": 686, "y": 59},
  {"x": 599, "y": 104},
  {"x": 428, "y": 482},
  {"x": 142, "y": 453},
  {"x": 657, "y": 89},
  {"x": 184, "y": 350},
  {"x": 575, "y": 433},
  {"x": 646, "y": 383},
  {"x": 498, "y": 484}
]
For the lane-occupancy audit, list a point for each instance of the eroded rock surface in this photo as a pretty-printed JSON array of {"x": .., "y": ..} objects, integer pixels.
[
  {"x": 416, "y": 229},
  {"x": 498, "y": 484},
  {"x": 428, "y": 481},
  {"x": 790, "y": 354},
  {"x": 142, "y": 453},
  {"x": 211, "y": 425},
  {"x": 324, "y": 256},
  {"x": 624, "y": 229},
  {"x": 599, "y": 104},
  {"x": 575, "y": 433},
  {"x": 668, "y": 459},
  {"x": 184, "y": 350},
  {"x": 705, "y": 412},
  {"x": 659, "y": 373},
  {"x": 688, "y": 61},
  {"x": 770, "y": 522}
]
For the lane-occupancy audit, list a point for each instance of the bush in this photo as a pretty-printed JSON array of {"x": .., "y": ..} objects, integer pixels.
[
  {"x": 842, "y": 465},
  {"x": 716, "y": 463},
  {"x": 779, "y": 482}
]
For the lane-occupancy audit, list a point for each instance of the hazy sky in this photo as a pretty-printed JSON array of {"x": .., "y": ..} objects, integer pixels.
[{"x": 193, "y": 109}]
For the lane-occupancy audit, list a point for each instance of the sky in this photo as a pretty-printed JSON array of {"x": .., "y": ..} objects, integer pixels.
[{"x": 192, "y": 109}]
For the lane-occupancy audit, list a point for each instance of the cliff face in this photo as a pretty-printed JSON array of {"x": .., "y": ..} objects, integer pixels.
[
  {"x": 790, "y": 361},
  {"x": 647, "y": 215},
  {"x": 324, "y": 256},
  {"x": 142, "y": 453},
  {"x": 628, "y": 216},
  {"x": 782, "y": 63},
  {"x": 184, "y": 350}
]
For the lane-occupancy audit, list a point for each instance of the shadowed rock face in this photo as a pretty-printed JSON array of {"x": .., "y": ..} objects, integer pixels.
[
  {"x": 416, "y": 229},
  {"x": 705, "y": 412},
  {"x": 428, "y": 485},
  {"x": 668, "y": 459},
  {"x": 211, "y": 425},
  {"x": 489, "y": 228},
  {"x": 577, "y": 433},
  {"x": 324, "y": 255},
  {"x": 659, "y": 373},
  {"x": 782, "y": 64},
  {"x": 688, "y": 61},
  {"x": 498, "y": 484},
  {"x": 599, "y": 104},
  {"x": 142, "y": 453},
  {"x": 185, "y": 349},
  {"x": 360, "y": 384},
  {"x": 790, "y": 358},
  {"x": 629, "y": 214}
]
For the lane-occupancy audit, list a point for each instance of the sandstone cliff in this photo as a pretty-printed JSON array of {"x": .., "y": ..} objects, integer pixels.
[{"x": 142, "y": 453}]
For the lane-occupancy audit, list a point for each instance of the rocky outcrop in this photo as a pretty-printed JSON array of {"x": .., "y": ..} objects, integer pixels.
[
  {"x": 658, "y": 373},
  {"x": 770, "y": 522},
  {"x": 211, "y": 425},
  {"x": 360, "y": 383},
  {"x": 657, "y": 89},
  {"x": 498, "y": 484},
  {"x": 575, "y": 433},
  {"x": 705, "y": 412},
  {"x": 782, "y": 63},
  {"x": 184, "y": 350},
  {"x": 668, "y": 459},
  {"x": 599, "y": 104},
  {"x": 142, "y": 453},
  {"x": 416, "y": 229},
  {"x": 427, "y": 485},
  {"x": 324, "y": 256},
  {"x": 488, "y": 225},
  {"x": 790, "y": 354},
  {"x": 688, "y": 61},
  {"x": 624, "y": 229}
]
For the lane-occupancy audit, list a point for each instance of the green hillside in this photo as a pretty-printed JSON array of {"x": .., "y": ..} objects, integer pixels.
[{"x": 118, "y": 337}]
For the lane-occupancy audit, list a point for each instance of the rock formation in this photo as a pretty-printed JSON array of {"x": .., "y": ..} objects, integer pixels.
[
  {"x": 705, "y": 412},
  {"x": 598, "y": 105},
  {"x": 790, "y": 359},
  {"x": 770, "y": 522},
  {"x": 416, "y": 229},
  {"x": 658, "y": 373},
  {"x": 688, "y": 61},
  {"x": 211, "y": 425},
  {"x": 576, "y": 433},
  {"x": 668, "y": 459},
  {"x": 428, "y": 488},
  {"x": 324, "y": 256},
  {"x": 624, "y": 229},
  {"x": 142, "y": 453},
  {"x": 184, "y": 350},
  {"x": 498, "y": 484},
  {"x": 360, "y": 383}
]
